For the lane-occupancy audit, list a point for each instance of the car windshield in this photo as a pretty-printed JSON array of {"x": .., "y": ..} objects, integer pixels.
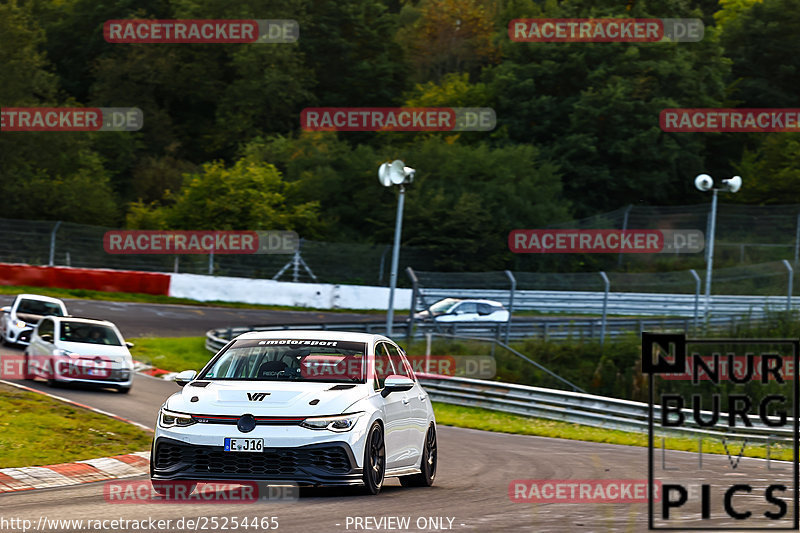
[
  {"x": 444, "y": 306},
  {"x": 290, "y": 360},
  {"x": 89, "y": 334},
  {"x": 38, "y": 307}
]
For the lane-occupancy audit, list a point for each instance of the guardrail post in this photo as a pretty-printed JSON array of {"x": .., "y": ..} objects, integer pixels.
[
  {"x": 513, "y": 281},
  {"x": 605, "y": 308},
  {"x": 53, "y": 243},
  {"x": 412, "y": 310},
  {"x": 176, "y": 263},
  {"x": 693, "y": 272},
  {"x": 789, "y": 292},
  {"x": 545, "y": 327},
  {"x": 428, "y": 340},
  {"x": 211, "y": 263}
]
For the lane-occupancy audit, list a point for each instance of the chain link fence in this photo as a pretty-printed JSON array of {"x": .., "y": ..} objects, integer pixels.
[{"x": 751, "y": 242}]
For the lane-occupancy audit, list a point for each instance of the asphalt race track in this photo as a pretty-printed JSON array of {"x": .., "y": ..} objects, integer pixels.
[{"x": 472, "y": 484}]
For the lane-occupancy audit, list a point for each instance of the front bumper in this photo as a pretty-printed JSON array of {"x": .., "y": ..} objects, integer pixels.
[{"x": 327, "y": 463}]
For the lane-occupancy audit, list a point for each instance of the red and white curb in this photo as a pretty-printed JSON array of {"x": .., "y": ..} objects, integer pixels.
[
  {"x": 149, "y": 370},
  {"x": 87, "y": 471},
  {"x": 43, "y": 477}
]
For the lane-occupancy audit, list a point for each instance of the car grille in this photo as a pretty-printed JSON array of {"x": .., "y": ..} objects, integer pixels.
[
  {"x": 270, "y": 462},
  {"x": 25, "y": 336}
]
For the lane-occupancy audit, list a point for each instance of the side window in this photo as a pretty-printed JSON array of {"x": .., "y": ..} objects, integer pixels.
[
  {"x": 383, "y": 365},
  {"x": 397, "y": 361},
  {"x": 468, "y": 307},
  {"x": 485, "y": 309},
  {"x": 46, "y": 327}
]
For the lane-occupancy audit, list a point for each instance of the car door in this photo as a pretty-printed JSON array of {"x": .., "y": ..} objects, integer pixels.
[
  {"x": 418, "y": 412},
  {"x": 397, "y": 412},
  {"x": 40, "y": 350}
]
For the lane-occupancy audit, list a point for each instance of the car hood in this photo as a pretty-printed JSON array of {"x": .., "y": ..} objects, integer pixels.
[
  {"x": 29, "y": 318},
  {"x": 84, "y": 348},
  {"x": 281, "y": 399}
]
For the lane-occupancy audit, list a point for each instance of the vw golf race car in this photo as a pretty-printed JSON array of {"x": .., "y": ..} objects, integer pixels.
[{"x": 310, "y": 407}]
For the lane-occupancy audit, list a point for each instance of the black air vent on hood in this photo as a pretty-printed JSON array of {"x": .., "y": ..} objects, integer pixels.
[
  {"x": 342, "y": 387},
  {"x": 199, "y": 383}
]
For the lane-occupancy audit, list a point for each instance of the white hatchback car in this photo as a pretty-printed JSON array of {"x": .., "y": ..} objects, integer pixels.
[
  {"x": 460, "y": 310},
  {"x": 309, "y": 407},
  {"x": 80, "y": 350},
  {"x": 19, "y": 318}
]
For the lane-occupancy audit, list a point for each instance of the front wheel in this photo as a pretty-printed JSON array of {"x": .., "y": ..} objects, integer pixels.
[
  {"x": 374, "y": 460},
  {"x": 428, "y": 464},
  {"x": 124, "y": 390}
]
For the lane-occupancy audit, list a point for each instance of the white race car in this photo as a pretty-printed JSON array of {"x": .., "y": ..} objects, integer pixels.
[
  {"x": 459, "y": 310},
  {"x": 19, "y": 318},
  {"x": 309, "y": 407}
]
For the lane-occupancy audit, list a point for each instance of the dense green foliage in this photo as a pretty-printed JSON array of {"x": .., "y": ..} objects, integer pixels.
[{"x": 222, "y": 148}]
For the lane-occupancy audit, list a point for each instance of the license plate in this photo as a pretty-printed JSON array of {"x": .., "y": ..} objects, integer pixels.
[{"x": 244, "y": 445}]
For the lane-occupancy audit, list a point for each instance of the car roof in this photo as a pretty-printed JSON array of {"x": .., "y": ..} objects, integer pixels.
[
  {"x": 40, "y": 298},
  {"x": 475, "y": 300},
  {"x": 313, "y": 334}
]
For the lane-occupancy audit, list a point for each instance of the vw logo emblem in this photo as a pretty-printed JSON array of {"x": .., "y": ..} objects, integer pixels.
[{"x": 246, "y": 423}]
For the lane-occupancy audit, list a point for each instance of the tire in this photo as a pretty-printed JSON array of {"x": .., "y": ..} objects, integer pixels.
[
  {"x": 123, "y": 390},
  {"x": 374, "y": 460},
  {"x": 167, "y": 489},
  {"x": 427, "y": 464}
]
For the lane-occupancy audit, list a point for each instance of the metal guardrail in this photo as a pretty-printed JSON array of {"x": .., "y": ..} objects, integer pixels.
[
  {"x": 619, "y": 303},
  {"x": 580, "y": 408},
  {"x": 549, "y": 330}
]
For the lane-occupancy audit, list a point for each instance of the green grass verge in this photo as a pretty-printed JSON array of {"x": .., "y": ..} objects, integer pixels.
[
  {"x": 37, "y": 430},
  {"x": 487, "y": 420},
  {"x": 84, "y": 294},
  {"x": 172, "y": 353}
]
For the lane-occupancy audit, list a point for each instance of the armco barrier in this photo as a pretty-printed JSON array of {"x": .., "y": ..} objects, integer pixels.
[
  {"x": 557, "y": 330},
  {"x": 579, "y": 408},
  {"x": 84, "y": 278}
]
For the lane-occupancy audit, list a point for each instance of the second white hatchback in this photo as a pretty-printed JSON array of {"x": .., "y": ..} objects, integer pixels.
[{"x": 79, "y": 350}]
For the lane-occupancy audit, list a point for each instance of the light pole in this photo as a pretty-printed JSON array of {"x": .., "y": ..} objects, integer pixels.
[
  {"x": 395, "y": 173},
  {"x": 704, "y": 183}
]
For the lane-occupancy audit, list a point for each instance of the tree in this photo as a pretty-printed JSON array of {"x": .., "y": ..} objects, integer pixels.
[
  {"x": 449, "y": 36},
  {"x": 593, "y": 108}
]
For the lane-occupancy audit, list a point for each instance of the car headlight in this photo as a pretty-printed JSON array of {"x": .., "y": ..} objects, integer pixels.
[
  {"x": 66, "y": 353},
  {"x": 168, "y": 419},
  {"x": 20, "y": 324},
  {"x": 338, "y": 423}
]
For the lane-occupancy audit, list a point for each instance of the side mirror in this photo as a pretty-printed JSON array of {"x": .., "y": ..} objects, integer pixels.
[
  {"x": 184, "y": 377},
  {"x": 47, "y": 338},
  {"x": 395, "y": 383},
  {"x": 129, "y": 344},
  {"x": 6, "y": 309}
]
